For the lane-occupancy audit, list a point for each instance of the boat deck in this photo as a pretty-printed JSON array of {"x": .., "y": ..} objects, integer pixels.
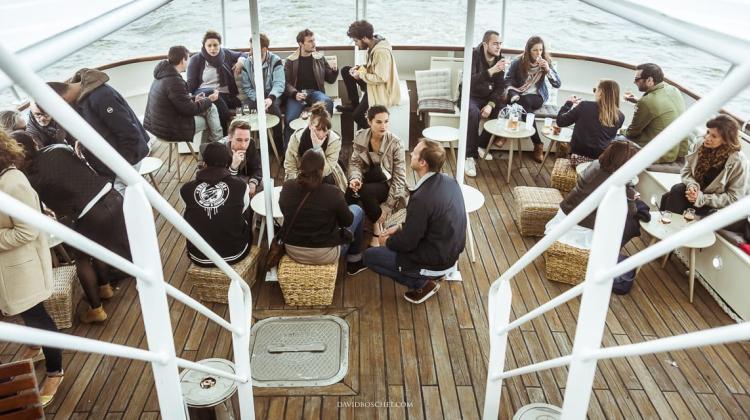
[{"x": 433, "y": 356}]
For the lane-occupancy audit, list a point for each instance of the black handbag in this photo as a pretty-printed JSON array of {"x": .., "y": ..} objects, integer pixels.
[{"x": 277, "y": 248}]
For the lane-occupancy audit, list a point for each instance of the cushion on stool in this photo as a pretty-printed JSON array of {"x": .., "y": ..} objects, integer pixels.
[
  {"x": 210, "y": 284},
  {"x": 536, "y": 206},
  {"x": 565, "y": 263},
  {"x": 304, "y": 285},
  {"x": 65, "y": 295},
  {"x": 563, "y": 176}
]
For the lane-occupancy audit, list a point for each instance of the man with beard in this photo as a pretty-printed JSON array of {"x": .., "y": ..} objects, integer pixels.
[{"x": 45, "y": 130}]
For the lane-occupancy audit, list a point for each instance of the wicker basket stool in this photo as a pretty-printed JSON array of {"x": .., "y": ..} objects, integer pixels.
[
  {"x": 66, "y": 293},
  {"x": 563, "y": 176},
  {"x": 565, "y": 263},
  {"x": 304, "y": 285},
  {"x": 536, "y": 206},
  {"x": 210, "y": 284}
]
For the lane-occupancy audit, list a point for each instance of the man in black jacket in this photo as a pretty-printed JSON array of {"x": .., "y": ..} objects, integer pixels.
[
  {"x": 245, "y": 156},
  {"x": 110, "y": 115},
  {"x": 171, "y": 113},
  {"x": 486, "y": 94},
  {"x": 45, "y": 130},
  {"x": 434, "y": 234}
]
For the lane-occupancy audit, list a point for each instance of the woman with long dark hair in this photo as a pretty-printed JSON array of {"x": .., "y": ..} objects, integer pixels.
[
  {"x": 25, "y": 263},
  {"x": 526, "y": 80},
  {"x": 596, "y": 122},
  {"x": 715, "y": 174},
  {"x": 318, "y": 225},
  {"x": 213, "y": 69}
]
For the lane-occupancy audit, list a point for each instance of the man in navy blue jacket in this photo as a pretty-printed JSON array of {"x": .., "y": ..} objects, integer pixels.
[
  {"x": 110, "y": 115},
  {"x": 434, "y": 233}
]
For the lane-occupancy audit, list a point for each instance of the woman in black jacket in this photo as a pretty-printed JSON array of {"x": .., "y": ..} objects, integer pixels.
[
  {"x": 88, "y": 203},
  {"x": 596, "y": 122},
  {"x": 318, "y": 225},
  {"x": 214, "y": 68}
]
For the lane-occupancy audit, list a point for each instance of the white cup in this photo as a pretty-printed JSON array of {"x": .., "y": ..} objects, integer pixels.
[
  {"x": 548, "y": 123},
  {"x": 529, "y": 121}
]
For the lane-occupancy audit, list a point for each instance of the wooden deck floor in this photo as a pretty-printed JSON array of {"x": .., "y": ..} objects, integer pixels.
[{"x": 432, "y": 357}]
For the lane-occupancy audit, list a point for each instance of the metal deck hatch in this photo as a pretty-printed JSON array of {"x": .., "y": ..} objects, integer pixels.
[{"x": 296, "y": 351}]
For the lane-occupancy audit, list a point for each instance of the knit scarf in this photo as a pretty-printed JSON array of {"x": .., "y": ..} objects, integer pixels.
[
  {"x": 532, "y": 77},
  {"x": 305, "y": 143},
  {"x": 711, "y": 158},
  {"x": 217, "y": 61}
]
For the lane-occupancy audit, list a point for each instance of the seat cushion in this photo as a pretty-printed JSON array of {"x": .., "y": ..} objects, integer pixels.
[{"x": 443, "y": 106}]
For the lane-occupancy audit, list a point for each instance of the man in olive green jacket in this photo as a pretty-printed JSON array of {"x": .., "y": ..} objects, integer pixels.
[{"x": 658, "y": 107}]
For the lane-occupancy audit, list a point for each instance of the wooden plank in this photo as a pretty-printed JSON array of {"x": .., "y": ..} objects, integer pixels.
[
  {"x": 678, "y": 406},
  {"x": 469, "y": 408},
  {"x": 312, "y": 408},
  {"x": 276, "y": 407},
  {"x": 432, "y": 409},
  {"x": 391, "y": 341},
  {"x": 294, "y": 407},
  {"x": 456, "y": 350},
  {"x": 442, "y": 361},
  {"x": 714, "y": 406},
  {"x": 396, "y": 402},
  {"x": 476, "y": 363},
  {"x": 646, "y": 408},
  {"x": 330, "y": 409},
  {"x": 427, "y": 374},
  {"x": 412, "y": 386}
]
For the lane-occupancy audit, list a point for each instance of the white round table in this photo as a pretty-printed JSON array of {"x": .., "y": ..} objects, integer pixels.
[
  {"x": 271, "y": 122},
  {"x": 443, "y": 134},
  {"x": 258, "y": 204},
  {"x": 473, "y": 201},
  {"x": 149, "y": 165},
  {"x": 298, "y": 124},
  {"x": 659, "y": 231},
  {"x": 563, "y": 136},
  {"x": 498, "y": 128}
]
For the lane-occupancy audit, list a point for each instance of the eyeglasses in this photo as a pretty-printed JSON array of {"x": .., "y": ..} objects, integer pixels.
[
  {"x": 638, "y": 78},
  {"x": 38, "y": 115}
]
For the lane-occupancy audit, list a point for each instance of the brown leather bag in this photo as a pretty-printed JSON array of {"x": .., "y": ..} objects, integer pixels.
[{"x": 277, "y": 248}]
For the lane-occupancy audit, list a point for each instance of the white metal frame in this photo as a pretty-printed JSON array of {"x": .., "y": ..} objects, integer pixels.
[{"x": 595, "y": 291}]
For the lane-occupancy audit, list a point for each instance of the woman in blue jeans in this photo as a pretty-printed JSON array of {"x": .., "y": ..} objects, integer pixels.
[{"x": 318, "y": 225}]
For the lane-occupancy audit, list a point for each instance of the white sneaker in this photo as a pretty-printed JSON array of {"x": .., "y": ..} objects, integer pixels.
[
  {"x": 484, "y": 155},
  {"x": 471, "y": 167}
]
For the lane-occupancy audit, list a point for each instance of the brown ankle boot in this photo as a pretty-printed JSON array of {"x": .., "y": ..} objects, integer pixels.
[
  {"x": 94, "y": 315},
  {"x": 538, "y": 153},
  {"x": 105, "y": 291}
]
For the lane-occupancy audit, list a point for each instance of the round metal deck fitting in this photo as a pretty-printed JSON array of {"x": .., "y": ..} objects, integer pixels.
[
  {"x": 538, "y": 411},
  {"x": 208, "y": 396}
]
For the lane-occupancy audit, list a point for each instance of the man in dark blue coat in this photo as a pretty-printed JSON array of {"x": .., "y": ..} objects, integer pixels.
[
  {"x": 110, "y": 115},
  {"x": 433, "y": 235}
]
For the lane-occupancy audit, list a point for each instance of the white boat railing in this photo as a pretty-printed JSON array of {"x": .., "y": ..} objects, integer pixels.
[
  {"x": 602, "y": 267},
  {"x": 140, "y": 199}
]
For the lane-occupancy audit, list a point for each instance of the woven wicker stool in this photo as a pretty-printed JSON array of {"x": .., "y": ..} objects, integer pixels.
[
  {"x": 210, "y": 284},
  {"x": 304, "y": 285},
  {"x": 66, "y": 293},
  {"x": 563, "y": 176},
  {"x": 565, "y": 263},
  {"x": 536, "y": 206}
]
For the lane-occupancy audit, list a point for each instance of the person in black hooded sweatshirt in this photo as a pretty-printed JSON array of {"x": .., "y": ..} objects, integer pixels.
[{"x": 216, "y": 205}]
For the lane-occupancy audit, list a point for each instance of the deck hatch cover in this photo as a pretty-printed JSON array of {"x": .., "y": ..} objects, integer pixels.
[{"x": 296, "y": 351}]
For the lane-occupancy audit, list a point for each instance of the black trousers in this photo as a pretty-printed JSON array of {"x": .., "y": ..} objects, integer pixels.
[
  {"x": 37, "y": 317},
  {"x": 360, "y": 107},
  {"x": 676, "y": 202},
  {"x": 474, "y": 140},
  {"x": 531, "y": 103},
  {"x": 371, "y": 195},
  {"x": 226, "y": 102}
]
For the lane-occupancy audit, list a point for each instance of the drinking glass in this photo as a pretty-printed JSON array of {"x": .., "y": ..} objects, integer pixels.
[
  {"x": 689, "y": 214},
  {"x": 666, "y": 217}
]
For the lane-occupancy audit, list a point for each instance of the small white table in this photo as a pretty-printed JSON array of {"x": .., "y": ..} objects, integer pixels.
[
  {"x": 563, "y": 136},
  {"x": 659, "y": 231},
  {"x": 298, "y": 124},
  {"x": 271, "y": 122},
  {"x": 473, "y": 201},
  {"x": 149, "y": 165},
  {"x": 258, "y": 204},
  {"x": 443, "y": 134},
  {"x": 498, "y": 128}
]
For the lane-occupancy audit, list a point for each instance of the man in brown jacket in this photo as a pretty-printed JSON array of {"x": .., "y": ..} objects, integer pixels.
[
  {"x": 306, "y": 72},
  {"x": 378, "y": 78}
]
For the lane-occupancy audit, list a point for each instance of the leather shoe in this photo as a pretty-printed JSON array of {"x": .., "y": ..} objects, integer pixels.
[{"x": 538, "y": 153}]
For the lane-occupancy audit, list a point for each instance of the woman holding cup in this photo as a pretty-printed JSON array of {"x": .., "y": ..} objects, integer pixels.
[
  {"x": 715, "y": 175},
  {"x": 526, "y": 80},
  {"x": 596, "y": 122}
]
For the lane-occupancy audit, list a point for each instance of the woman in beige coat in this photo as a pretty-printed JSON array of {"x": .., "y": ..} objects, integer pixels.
[
  {"x": 377, "y": 170},
  {"x": 317, "y": 136},
  {"x": 25, "y": 263},
  {"x": 715, "y": 175}
]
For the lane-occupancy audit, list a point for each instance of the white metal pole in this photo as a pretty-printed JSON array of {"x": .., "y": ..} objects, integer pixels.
[
  {"x": 463, "y": 125},
  {"x": 224, "y": 22},
  {"x": 262, "y": 121},
  {"x": 503, "y": 18},
  {"x": 605, "y": 247},
  {"x": 153, "y": 298},
  {"x": 240, "y": 306},
  {"x": 499, "y": 315},
  {"x": 356, "y": 9}
]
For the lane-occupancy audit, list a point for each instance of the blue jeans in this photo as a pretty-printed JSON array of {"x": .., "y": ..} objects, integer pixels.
[
  {"x": 294, "y": 109},
  {"x": 383, "y": 261},
  {"x": 353, "y": 250}
]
